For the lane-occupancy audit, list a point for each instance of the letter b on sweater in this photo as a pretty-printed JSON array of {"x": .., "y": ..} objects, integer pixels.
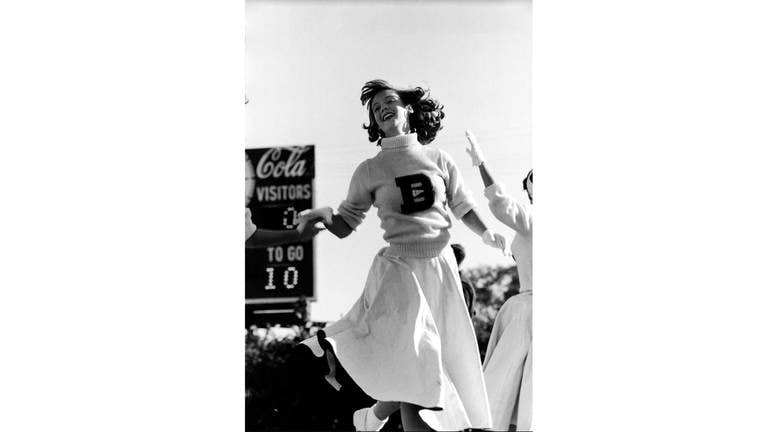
[{"x": 417, "y": 193}]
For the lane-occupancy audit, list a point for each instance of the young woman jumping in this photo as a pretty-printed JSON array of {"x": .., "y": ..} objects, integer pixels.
[{"x": 408, "y": 341}]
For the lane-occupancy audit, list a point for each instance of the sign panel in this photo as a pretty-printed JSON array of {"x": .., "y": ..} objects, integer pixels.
[{"x": 279, "y": 183}]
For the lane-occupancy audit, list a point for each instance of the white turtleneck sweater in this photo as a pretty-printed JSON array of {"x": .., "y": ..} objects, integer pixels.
[{"x": 415, "y": 188}]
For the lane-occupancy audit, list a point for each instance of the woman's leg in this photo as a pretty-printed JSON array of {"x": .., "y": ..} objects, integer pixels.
[
  {"x": 375, "y": 417},
  {"x": 382, "y": 410},
  {"x": 409, "y": 414}
]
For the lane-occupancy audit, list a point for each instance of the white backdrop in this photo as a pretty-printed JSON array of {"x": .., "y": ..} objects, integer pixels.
[{"x": 122, "y": 153}]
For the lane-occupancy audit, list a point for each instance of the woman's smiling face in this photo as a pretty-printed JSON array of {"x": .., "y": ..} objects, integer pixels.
[{"x": 390, "y": 113}]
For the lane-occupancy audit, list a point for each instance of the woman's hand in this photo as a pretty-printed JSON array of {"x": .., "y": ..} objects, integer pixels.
[
  {"x": 309, "y": 231},
  {"x": 495, "y": 240},
  {"x": 250, "y": 227},
  {"x": 323, "y": 214},
  {"x": 474, "y": 150}
]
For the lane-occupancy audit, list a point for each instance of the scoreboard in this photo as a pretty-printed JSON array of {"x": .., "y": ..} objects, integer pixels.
[{"x": 279, "y": 183}]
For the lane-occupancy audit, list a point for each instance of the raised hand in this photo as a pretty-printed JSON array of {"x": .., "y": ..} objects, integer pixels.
[{"x": 474, "y": 150}]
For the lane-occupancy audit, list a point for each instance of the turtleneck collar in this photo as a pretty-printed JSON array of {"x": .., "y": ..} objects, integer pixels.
[{"x": 399, "y": 142}]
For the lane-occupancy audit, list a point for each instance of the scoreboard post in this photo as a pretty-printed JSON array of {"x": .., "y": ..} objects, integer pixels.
[{"x": 279, "y": 184}]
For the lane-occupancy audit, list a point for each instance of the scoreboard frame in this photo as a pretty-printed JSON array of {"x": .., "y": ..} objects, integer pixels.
[{"x": 282, "y": 177}]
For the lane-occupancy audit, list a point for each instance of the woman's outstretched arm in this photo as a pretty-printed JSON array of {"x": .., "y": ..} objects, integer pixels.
[
  {"x": 473, "y": 221},
  {"x": 339, "y": 227},
  {"x": 335, "y": 223},
  {"x": 256, "y": 237}
]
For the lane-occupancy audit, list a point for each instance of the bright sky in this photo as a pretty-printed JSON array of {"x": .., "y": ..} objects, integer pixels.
[{"x": 305, "y": 63}]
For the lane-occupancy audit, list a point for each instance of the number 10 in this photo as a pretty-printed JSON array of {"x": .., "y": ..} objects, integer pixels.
[{"x": 289, "y": 273}]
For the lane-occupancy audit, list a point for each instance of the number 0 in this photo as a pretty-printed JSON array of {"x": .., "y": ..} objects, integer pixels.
[{"x": 286, "y": 275}]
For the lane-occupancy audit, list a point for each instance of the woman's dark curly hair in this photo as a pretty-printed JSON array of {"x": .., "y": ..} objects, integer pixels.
[
  {"x": 528, "y": 177},
  {"x": 426, "y": 117}
]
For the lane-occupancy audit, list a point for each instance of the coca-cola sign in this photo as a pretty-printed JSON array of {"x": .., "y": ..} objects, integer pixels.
[{"x": 285, "y": 163}]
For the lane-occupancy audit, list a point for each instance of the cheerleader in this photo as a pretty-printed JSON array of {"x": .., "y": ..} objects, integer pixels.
[
  {"x": 507, "y": 365},
  {"x": 408, "y": 341}
]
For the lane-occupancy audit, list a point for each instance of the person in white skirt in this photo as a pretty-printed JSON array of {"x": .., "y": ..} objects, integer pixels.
[
  {"x": 508, "y": 358},
  {"x": 408, "y": 341}
]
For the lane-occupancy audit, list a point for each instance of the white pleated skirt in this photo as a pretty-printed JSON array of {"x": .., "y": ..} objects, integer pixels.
[
  {"x": 409, "y": 338},
  {"x": 507, "y": 365}
]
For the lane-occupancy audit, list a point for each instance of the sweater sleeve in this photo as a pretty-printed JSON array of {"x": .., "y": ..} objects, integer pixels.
[
  {"x": 359, "y": 198},
  {"x": 459, "y": 196},
  {"x": 509, "y": 211}
]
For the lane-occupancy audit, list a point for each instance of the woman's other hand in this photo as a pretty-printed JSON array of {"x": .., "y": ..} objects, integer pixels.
[
  {"x": 496, "y": 240},
  {"x": 474, "y": 150}
]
